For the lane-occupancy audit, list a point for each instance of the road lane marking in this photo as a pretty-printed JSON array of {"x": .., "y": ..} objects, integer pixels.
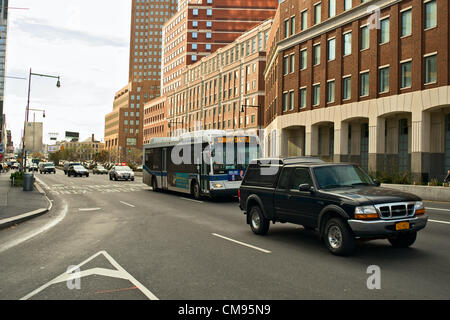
[
  {"x": 241, "y": 243},
  {"x": 119, "y": 273},
  {"x": 89, "y": 209},
  {"x": 439, "y": 209},
  {"x": 127, "y": 204},
  {"x": 192, "y": 200},
  {"x": 437, "y": 221},
  {"x": 36, "y": 232}
]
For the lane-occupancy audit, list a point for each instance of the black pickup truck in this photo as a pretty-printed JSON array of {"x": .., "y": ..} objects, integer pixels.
[{"x": 339, "y": 200}]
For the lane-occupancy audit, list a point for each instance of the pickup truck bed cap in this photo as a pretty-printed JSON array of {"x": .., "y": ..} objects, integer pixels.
[{"x": 286, "y": 161}]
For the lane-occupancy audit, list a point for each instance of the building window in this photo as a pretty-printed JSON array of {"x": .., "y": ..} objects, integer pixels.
[
  {"x": 316, "y": 54},
  {"x": 286, "y": 28},
  {"x": 406, "y": 76},
  {"x": 384, "y": 79},
  {"x": 292, "y": 25},
  {"x": 317, "y": 13},
  {"x": 347, "y": 88},
  {"x": 331, "y": 8},
  {"x": 364, "y": 91},
  {"x": 384, "y": 30},
  {"x": 330, "y": 91},
  {"x": 331, "y": 49},
  {"x": 194, "y": 46},
  {"x": 347, "y": 43},
  {"x": 194, "y": 35},
  {"x": 430, "y": 14},
  {"x": 365, "y": 37},
  {"x": 209, "y": 12},
  {"x": 195, "y": 12},
  {"x": 208, "y": 47},
  {"x": 406, "y": 23},
  {"x": 303, "y": 59},
  {"x": 347, "y": 4},
  {"x": 316, "y": 95},
  {"x": 195, "y": 24},
  {"x": 285, "y": 66},
  {"x": 430, "y": 69},
  {"x": 285, "y": 101},
  {"x": 302, "y": 98},
  {"x": 292, "y": 63},
  {"x": 291, "y": 100},
  {"x": 304, "y": 22}
]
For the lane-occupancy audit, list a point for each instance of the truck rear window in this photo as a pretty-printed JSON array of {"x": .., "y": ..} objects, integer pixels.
[{"x": 256, "y": 176}]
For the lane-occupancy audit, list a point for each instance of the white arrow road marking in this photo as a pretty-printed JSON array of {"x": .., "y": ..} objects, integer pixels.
[
  {"x": 241, "y": 243},
  {"x": 127, "y": 204},
  {"x": 120, "y": 273}
]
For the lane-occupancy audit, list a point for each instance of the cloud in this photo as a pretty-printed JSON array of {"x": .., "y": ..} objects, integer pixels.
[{"x": 40, "y": 29}]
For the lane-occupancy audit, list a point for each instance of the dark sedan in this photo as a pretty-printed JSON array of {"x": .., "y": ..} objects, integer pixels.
[
  {"x": 99, "y": 170},
  {"x": 77, "y": 171}
]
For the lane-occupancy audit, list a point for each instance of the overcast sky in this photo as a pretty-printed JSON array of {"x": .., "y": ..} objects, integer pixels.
[{"x": 86, "y": 42}]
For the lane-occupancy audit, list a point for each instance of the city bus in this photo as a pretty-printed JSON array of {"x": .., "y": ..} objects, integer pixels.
[{"x": 209, "y": 163}]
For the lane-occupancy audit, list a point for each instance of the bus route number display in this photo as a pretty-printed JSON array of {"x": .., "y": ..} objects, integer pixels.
[{"x": 233, "y": 140}]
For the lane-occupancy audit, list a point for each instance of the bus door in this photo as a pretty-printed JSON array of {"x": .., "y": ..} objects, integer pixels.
[
  {"x": 204, "y": 171},
  {"x": 164, "y": 169}
]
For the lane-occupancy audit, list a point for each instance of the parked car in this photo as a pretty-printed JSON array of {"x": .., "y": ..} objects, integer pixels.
[
  {"x": 33, "y": 167},
  {"x": 47, "y": 167},
  {"x": 339, "y": 200},
  {"x": 68, "y": 164},
  {"x": 99, "y": 169},
  {"x": 77, "y": 171},
  {"x": 121, "y": 173}
]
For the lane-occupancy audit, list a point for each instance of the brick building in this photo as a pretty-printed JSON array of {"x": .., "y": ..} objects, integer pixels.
[
  {"x": 361, "y": 81},
  {"x": 221, "y": 91},
  {"x": 124, "y": 125},
  {"x": 200, "y": 27}
]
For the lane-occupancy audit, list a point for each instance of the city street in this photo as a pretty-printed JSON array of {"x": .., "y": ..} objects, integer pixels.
[{"x": 132, "y": 243}]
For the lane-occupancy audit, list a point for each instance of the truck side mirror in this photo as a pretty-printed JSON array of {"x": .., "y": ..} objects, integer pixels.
[{"x": 304, "y": 187}]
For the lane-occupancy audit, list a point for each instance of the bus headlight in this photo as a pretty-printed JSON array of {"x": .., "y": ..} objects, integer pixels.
[{"x": 215, "y": 185}]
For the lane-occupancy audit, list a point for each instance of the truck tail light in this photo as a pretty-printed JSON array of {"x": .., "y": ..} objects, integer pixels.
[{"x": 239, "y": 193}]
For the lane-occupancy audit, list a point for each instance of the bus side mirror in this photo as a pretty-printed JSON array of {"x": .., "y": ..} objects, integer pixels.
[{"x": 377, "y": 183}]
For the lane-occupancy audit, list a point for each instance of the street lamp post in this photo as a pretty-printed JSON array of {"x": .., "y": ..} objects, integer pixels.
[
  {"x": 245, "y": 106},
  {"x": 58, "y": 85}
]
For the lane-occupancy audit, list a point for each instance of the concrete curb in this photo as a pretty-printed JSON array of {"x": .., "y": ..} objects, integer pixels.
[
  {"x": 6, "y": 223},
  {"x": 424, "y": 192}
]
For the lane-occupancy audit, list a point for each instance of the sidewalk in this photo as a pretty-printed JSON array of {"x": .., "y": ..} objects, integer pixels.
[{"x": 17, "y": 205}]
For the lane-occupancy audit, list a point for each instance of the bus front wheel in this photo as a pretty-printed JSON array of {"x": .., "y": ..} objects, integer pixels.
[{"x": 154, "y": 185}]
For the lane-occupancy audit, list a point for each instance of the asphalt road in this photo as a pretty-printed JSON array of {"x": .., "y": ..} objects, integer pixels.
[{"x": 129, "y": 242}]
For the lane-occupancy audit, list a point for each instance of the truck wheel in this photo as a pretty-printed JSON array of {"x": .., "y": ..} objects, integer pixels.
[
  {"x": 403, "y": 240},
  {"x": 339, "y": 238},
  {"x": 259, "y": 224}
]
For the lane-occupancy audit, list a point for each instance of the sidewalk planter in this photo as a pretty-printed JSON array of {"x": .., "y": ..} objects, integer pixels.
[{"x": 17, "y": 179}]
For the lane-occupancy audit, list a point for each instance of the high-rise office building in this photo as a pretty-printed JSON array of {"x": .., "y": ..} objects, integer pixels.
[
  {"x": 123, "y": 126},
  {"x": 3, "y": 34},
  {"x": 200, "y": 27}
]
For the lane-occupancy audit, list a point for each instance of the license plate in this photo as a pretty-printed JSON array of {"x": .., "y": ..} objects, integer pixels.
[{"x": 402, "y": 226}]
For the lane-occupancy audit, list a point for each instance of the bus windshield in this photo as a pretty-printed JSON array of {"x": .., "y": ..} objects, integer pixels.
[{"x": 235, "y": 159}]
